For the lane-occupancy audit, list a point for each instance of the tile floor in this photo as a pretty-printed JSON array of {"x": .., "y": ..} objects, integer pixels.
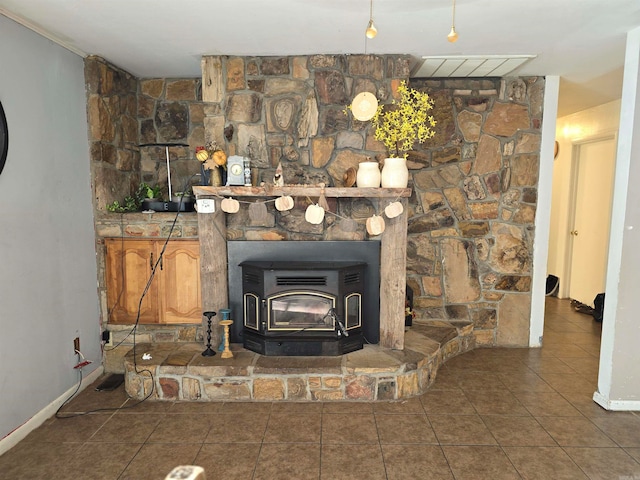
[{"x": 492, "y": 414}]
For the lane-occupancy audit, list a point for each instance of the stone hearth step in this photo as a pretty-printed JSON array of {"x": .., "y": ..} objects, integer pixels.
[{"x": 180, "y": 372}]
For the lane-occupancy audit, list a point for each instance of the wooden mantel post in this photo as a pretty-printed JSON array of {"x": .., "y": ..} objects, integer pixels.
[
  {"x": 393, "y": 278},
  {"x": 393, "y": 249},
  {"x": 212, "y": 233}
]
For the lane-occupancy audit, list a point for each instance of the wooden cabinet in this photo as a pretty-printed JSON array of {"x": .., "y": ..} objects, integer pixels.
[{"x": 172, "y": 296}]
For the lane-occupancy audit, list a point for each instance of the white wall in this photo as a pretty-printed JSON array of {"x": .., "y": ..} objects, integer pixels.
[
  {"x": 619, "y": 373},
  {"x": 48, "y": 291},
  {"x": 590, "y": 123}
]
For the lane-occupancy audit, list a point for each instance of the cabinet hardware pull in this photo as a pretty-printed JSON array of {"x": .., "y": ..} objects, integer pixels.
[{"x": 151, "y": 261}]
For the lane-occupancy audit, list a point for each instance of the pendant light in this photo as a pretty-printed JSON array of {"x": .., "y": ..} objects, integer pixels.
[
  {"x": 371, "y": 30},
  {"x": 453, "y": 35}
]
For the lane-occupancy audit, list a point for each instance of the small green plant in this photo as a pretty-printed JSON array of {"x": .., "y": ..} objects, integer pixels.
[
  {"x": 133, "y": 203},
  {"x": 147, "y": 191},
  {"x": 129, "y": 204}
]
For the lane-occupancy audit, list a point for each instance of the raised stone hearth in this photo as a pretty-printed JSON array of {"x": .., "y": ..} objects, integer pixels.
[{"x": 180, "y": 372}]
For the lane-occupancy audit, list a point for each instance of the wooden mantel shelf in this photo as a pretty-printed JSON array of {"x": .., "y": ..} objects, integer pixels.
[{"x": 302, "y": 190}]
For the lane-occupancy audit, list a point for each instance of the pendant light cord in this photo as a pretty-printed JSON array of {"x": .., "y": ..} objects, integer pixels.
[{"x": 453, "y": 14}]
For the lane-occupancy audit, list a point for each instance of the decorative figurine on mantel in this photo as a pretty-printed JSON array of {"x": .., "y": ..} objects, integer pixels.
[{"x": 278, "y": 178}]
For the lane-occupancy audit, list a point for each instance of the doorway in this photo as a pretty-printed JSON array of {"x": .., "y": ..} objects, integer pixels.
[{"x": 591, "y": 195}]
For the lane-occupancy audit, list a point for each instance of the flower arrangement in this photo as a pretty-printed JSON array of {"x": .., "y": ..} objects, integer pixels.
[
  {"x": 212, "y": 159},
  {"x": 211, "y": 156},
  {"x": 405, "y": 122}
]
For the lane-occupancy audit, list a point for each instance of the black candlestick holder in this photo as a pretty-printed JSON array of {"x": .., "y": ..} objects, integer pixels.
[{"x": 209, "y": 352}]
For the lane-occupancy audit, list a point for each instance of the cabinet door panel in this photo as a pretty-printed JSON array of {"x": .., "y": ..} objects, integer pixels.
[
  {"x": 128, "y": 268},
  {"x": 181, "y": 300}
]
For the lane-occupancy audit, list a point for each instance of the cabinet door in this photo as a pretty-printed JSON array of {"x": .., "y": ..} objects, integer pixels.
[
  {"x": 180, "y": 300},
  {"x": 128, "y": 268}
]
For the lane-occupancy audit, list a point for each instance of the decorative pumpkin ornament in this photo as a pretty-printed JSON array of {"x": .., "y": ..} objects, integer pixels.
[
  {"x": 348, "y": 225},
  {"x": 314, "y": 214},
  {"x": 230, "y": 205},
  {"x": 322, "y": 201},
  {"x": 284, "y": 203},
  {"x": 202, "y": 155},
  {"x": 375, "y": 225},
  {"x": 349, "y": 177},
  {"x": 220, "y": 158},
  {"x": 393, "y": 209},
  {"x": 258, "y": 213}
]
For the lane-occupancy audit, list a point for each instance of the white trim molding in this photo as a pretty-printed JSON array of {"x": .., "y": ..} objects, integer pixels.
[
  {"x": 47, "y": 412},
  {"x": 616, "y": 405}
]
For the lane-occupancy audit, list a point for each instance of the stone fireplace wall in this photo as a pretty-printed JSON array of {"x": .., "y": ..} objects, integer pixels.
[
  {"x": 112, "y": 112},
  {"x": 471, "y": 216},
  {"x": 471, "y": 228}
]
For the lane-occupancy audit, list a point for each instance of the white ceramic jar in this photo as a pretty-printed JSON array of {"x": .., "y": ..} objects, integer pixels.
[
  {"x": 368, "y": 174},
  {"x": 395, "y": 173}
]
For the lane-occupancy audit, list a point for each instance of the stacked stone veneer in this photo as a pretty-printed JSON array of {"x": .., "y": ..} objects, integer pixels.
[
  {"x": 471, "y": 229},
  {"x": 112, "y": 112},
  {"x": 125, "y": 112},
  {"x": 374, "y": 373},
  {"x": 471, "y": 219},
  {"x": 471, "y": 216}
]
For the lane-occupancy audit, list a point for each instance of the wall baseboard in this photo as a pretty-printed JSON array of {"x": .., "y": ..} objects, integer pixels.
[
  {"x": 20, "y": 433},
  {"x": 616, "y": 405}
]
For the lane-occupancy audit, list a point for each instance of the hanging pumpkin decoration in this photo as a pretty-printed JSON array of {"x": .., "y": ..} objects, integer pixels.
[
  {"x": 322, "y": 201},
  {"x": 314, "y": 214},
  {"x": 284, "y": 203},
  {"x": 348, "y": 225},
  {"x": 393, "y": 209},
  {"x": 258, "y": 213},
  {"x": 230, "y": 205},
  {"x": 375, "y": 225}
]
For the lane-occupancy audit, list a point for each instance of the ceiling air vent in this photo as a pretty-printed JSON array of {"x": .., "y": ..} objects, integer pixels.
[{"x": 468, "y": 66}]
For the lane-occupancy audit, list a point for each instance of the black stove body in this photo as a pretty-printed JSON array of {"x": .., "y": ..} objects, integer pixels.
[{"x": 303, "y": 308}]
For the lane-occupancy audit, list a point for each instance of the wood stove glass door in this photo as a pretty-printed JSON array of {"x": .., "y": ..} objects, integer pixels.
[
  {"x": 301, "y": 311},
  {"x": 251, "y": 313},
  {"x": 353, "y": 311}
]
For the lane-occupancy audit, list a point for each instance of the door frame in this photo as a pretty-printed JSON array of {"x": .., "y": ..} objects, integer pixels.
[{"x": 573, "y": 192}]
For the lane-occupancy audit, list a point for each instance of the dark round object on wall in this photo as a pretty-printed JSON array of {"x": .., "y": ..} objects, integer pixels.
[{"x": 4, "y": 138}]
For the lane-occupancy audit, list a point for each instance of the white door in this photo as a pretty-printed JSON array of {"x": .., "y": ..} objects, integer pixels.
[{"x": 593, "y": 177}]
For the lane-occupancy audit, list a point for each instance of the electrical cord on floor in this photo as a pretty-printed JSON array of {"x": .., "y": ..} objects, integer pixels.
[{"x": 133, "y": 330}]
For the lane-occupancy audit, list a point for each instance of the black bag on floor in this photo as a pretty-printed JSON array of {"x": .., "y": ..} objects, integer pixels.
[
  {"x": 553, "y": 283},
  {"x": 598, "y": 310}
]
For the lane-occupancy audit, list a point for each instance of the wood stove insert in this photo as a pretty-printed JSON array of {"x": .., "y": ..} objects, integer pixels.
[{"x": 303, "y": 308}]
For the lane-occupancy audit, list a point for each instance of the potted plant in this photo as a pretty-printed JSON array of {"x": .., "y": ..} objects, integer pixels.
[
  {"x": 183, "y": 197},
  {"x": 142, "y": 197},
  {"x": 148, "y": 195},
  {"x": 399, "y": 126}
]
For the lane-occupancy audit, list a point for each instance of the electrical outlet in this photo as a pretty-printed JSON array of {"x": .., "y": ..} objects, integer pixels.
[{"x": 76, "y": 344}]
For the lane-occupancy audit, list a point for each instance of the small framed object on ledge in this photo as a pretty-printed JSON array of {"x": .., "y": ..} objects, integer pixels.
[{"x": 236, "y": 171}]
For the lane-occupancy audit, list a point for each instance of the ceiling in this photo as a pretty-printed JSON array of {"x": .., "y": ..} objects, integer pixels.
[{"x": 582, "y": 41}]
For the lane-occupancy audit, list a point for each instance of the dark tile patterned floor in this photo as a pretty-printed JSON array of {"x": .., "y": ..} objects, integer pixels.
[{"x": 491, "y": 414}]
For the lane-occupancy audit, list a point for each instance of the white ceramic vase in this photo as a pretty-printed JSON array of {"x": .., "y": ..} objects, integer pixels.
[
  {"x": 395, "y": 173},
  {"x": 368, "y": 174}
]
